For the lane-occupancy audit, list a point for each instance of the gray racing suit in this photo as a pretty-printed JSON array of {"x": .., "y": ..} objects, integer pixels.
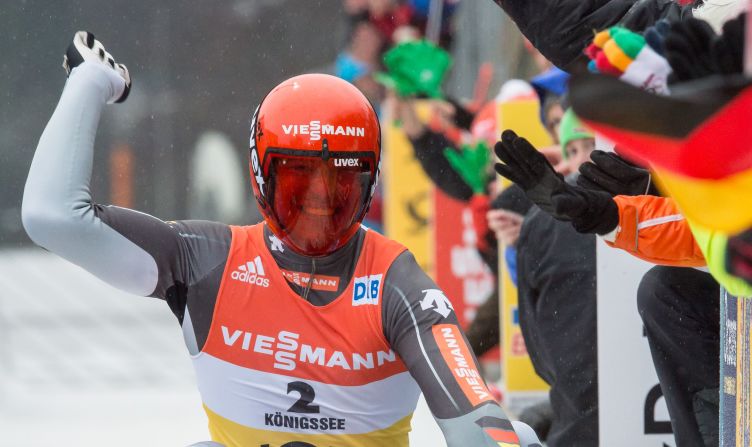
[{"x": 182, "y": 262}]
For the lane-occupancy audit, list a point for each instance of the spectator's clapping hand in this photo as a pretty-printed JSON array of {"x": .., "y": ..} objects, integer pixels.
[
  {"x": 403, "y": 110},
  {"x": 610, "y": 173},
  {"x": 506, "y": 225},
  {"x": 528, "y": 168},
  {"x": 695, "y": 51},
  {"x": 442, "y": 114},
  {"x": 589, "y": 211},
  {"x": 554, "y": 156},
  {"x": 728, "y": 49},
  {"x": 689, "y": 50}
]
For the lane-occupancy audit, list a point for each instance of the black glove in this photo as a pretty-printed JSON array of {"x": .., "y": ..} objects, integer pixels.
[
  {"x": 528, "y": 168},
  {"x": 694, "y": 51},
  {"x": 728, "y": 49},
  {"x": 739, "y": 255},
  {"x": 463, "y": 118},
  {"x": 610, "y": 173},
  {"x": 589, "y": 211},
  {"x": 656, "y": 34},
  {"x": 688, "y": 49}
]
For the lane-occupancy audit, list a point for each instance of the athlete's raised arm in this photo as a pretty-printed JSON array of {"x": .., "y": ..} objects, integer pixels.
[
  {"x": 130, "y": 250},
  {"x": 421, "y": 326}
]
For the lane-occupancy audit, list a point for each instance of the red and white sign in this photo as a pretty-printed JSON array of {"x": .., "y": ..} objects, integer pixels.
[{"x": 460, "y": 271}]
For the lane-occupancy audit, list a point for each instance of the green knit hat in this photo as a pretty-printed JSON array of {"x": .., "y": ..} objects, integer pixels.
[
  {"x": 571, "y": 129},
  {"x": 415, "y": 68}
]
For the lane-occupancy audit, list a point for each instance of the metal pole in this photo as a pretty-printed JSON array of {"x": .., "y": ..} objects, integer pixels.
[{"x": 433, "y": 27}]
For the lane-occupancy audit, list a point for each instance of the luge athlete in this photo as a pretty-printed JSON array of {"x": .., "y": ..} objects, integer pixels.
[{"x": 305, "y": 330}]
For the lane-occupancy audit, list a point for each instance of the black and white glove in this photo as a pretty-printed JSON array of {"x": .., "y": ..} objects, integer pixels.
[
  {"x": 528, "y": 168},
  {"x": 610, "y": 173},
  {"x": 84, "y": 48}
]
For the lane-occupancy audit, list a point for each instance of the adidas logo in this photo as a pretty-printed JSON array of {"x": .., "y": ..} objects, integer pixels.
[{"x": 252, "y": 272}]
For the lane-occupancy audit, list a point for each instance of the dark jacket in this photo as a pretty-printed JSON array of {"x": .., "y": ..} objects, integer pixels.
[
  {"x": 557, "y": 311},
  {"x": 562, "y": 29}
]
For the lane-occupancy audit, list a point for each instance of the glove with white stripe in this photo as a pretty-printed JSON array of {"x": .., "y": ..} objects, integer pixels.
[{"x": 84, "y": 48}]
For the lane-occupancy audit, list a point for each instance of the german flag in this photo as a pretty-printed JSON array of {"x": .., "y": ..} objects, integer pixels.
[
  {"x": 698, "y": 140},
  {"x": 500, "y": 430}
]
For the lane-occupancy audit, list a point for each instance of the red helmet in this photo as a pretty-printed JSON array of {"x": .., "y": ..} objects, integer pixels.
[{"x": 315, "y": 152}]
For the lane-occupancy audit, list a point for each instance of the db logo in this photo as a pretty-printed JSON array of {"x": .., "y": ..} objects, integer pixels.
[{"x": 367, "y": 290}]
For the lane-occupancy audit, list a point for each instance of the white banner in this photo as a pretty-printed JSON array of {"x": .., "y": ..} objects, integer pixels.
[{"x": 632, "y": 411}]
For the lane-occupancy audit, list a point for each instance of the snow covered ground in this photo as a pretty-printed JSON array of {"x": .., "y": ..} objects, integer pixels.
[{"x": 84, "y": 364}]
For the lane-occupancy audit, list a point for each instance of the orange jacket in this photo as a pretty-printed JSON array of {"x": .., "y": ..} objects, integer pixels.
[{"x": 653, "y": 229}]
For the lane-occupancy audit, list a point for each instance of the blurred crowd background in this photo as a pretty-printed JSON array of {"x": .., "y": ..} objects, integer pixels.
[{"x": 199, "y": 70}]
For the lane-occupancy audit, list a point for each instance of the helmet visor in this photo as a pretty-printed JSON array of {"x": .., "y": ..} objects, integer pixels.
[{"x": 318, "y": 204}]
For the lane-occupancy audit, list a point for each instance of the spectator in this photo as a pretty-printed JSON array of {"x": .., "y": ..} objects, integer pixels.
[
  {"x": 557, "y": 304},
  {"x": 420, "y": 19},
  {"x": 665, "y": 301},
  {"x": 389, "y": 16},
  {"x": 356, "y": 11},
  {"x": 576, "y": 141},
  {"x": 357, "y": 63},
  {"x": 680, "y": 308},
  {"x": 551, "y": 85}
]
